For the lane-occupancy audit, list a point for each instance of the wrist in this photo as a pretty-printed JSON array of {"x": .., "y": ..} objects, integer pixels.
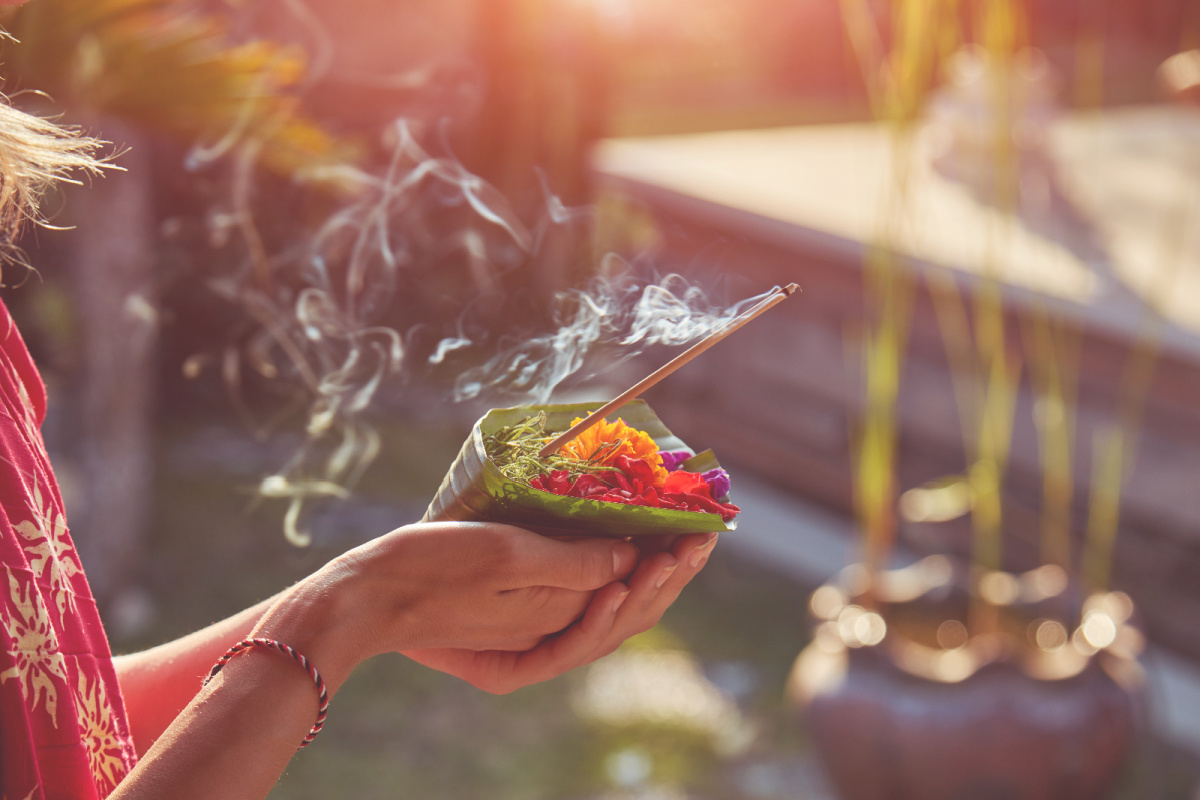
[
  {"x": 301, "y": 661},
  {"x": 322, "y": 618}
]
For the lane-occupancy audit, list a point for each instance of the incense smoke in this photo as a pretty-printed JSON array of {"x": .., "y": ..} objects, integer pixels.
[
  {"x": 338, "y": 315},
  {"x": 624, "y": 313},
  {"x": 323, "y": 315}
]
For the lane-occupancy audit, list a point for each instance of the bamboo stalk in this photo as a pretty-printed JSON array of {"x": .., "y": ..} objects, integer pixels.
[
  {"x": 1108, "y": 468},
  {"x": 777, "y": 296}
]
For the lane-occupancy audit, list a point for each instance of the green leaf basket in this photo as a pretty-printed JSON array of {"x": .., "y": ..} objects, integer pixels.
[{"x": 475, "y": 490}]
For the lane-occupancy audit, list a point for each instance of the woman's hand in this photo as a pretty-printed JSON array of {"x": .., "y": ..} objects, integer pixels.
[
  {"x": 615, "y": 613},
  {"x": 450, "y": 585},
  {"x": 495, "y": 605}
]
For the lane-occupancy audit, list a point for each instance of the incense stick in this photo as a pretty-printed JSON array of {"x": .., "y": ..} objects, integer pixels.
[{"x": 777, "y": 296}]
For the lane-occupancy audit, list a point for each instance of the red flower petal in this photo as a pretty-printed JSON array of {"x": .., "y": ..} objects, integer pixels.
[
  {"x": 687, "y": 483},
  {"x": 632, "y": 491},
  {"x": 557, "y": 482},
  {"x": 696, "y": 502},
  {"x": 587, "y": 485},
  {"x": 637, "y": 469},
  {"x": 617, "y": 478}
]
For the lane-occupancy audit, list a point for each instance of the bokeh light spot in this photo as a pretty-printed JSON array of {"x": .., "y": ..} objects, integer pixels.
[
  {"x": 952, "y": 634},
  {"x": 629, "y": 768},
  {"x": 1099, "y": 629},
  {"x": 827, "y": 602},
  {"x": 1050, "y": 635},
  {"x": 1043, "y": 583},
  {"x": 999, "y": 588}
]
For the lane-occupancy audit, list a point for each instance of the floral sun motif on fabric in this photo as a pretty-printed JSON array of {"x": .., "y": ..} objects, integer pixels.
[
  {"x": 99, "y": 731},
  {"x": 51, "y": 549},
  {"x": 31, "y": 640}
]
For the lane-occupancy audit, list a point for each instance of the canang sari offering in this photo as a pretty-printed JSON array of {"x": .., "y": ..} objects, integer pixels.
[{"x": 625, "y": 476}]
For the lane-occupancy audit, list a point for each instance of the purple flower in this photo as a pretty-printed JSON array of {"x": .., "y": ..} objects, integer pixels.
[
  {"x": 718, "y": 481},
  {"x": 671, "y": 459}
]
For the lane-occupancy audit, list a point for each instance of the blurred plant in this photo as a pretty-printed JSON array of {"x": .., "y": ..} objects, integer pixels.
[
  {"x": 897, "y": 83},
  {"x": 155, "y": 63},
  {"x": 159, "y": 64},
  {"x": 986, "y": 365},
  {"x": 985, "y": 368}
]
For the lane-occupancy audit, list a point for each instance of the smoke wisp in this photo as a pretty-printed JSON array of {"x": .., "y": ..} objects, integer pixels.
[
  {"x": 338, "y": 315},
  {"x": 622, "y": 312}
]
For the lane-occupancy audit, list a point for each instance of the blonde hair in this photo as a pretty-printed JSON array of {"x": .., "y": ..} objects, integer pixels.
[{"x": 35, "y": 153}]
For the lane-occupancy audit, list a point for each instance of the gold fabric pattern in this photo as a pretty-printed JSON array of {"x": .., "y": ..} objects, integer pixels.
[
  {"x": 51, "y": 549},
  {"x": 34, "y": 646},
  {"x": 99, "y": 732}
]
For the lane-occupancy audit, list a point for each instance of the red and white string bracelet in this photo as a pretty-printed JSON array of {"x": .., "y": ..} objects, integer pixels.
[{"x": 322, "y": 694}]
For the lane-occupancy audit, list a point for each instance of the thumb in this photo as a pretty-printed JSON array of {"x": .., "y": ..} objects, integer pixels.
[{"x": 582, "y": 564}]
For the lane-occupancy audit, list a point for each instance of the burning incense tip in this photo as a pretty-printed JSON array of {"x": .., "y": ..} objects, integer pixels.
[{"x": 776, "y": 296}]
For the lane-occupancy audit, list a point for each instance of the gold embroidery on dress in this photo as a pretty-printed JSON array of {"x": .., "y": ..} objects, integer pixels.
[
  {"x": 51, "y": 547},
  {"x": 99, "y": 734},
  {"x": 33, "y": 644}
]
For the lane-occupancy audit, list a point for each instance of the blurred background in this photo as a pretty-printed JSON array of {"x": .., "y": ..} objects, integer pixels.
[{"x": 967, "y": 454}]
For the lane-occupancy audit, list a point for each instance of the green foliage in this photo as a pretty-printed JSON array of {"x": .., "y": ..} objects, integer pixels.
[
  {"x": 514, "y": 449},
  {"x": 157, "y": 64}
]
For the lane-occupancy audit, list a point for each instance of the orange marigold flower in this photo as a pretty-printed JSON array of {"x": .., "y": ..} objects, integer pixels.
[{"x": 599, "y": 440}]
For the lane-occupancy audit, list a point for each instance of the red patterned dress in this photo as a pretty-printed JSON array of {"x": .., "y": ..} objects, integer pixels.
[{"x": 63, "y": 731}]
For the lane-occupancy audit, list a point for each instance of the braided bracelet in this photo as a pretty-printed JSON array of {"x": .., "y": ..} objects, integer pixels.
[{"x": 322, "y": 694}]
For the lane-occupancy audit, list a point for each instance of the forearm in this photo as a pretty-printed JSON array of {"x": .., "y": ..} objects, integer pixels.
[
  {"x": 234, "y": 740},
  {"x": 157, "y": 684},
  {"x": 235, "y": 737}
]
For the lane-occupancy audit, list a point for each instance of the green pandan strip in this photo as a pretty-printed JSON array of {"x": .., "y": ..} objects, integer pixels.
[{"x": 475, "y": 489}]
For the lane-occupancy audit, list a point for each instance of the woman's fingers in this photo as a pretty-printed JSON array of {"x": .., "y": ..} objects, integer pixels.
[
  {"x": 652, "y": 574},
  {"x": 543, "y": 610},
  {"x": 477, "y": 586},
  {"x": 697, "y": 549},
  {"x": 583, "y": 564},
  {"x": 576, "y": 645},
  {"x": 691, "y": 553},
  {"x": 501, "y": 672},
  {"x": 656, "y": 585},
  {"x": 615, "y": 612}
]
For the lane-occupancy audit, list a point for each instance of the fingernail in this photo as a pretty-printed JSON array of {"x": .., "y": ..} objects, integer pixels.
[
  {"x": 624, "y": 558},
  {"x": 700, "y": 552},
  {"x": 620, "y": 599},
  {"x": 664, "y": 575}
]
